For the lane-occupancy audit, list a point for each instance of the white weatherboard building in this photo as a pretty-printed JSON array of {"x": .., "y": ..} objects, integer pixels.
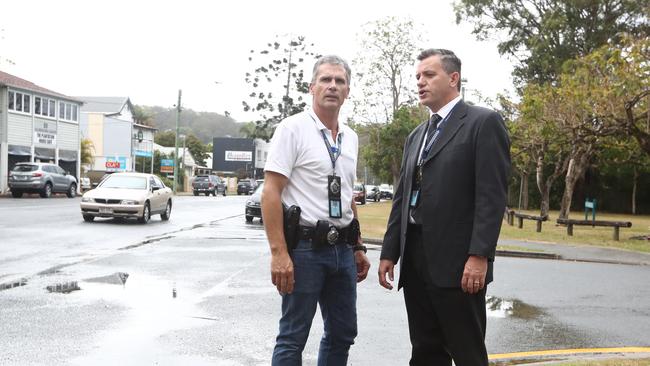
[
  {"x": 37, "y": 124},
  {"x": 117, "y": 139}
]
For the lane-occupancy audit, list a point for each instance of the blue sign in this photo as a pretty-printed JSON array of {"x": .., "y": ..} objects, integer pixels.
[
  {"x": 114, "y": 164},
  {"x": 166, "y": 165},
  {"x": 144, "y": 153}
]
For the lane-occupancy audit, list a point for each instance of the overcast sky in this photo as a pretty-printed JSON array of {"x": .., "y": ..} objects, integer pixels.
[{"x": 147, "y": 50}]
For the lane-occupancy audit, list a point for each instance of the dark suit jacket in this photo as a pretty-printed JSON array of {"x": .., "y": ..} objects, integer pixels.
[{"x": 462, "y": 197}]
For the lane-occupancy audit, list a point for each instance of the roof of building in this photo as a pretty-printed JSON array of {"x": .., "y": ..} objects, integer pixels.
[
  {"x": 188, "y": 159},
  {"x": 16, "y": 82},
  {"x": 105, "y": 105}
]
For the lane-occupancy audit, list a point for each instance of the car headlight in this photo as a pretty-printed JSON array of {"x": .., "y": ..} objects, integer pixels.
[
  {"x": 129, "y": 202},
  {"x": 87, "y": 199}
]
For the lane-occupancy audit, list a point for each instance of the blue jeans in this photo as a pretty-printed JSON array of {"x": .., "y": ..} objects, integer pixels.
[{"x": 326, "y": 276}]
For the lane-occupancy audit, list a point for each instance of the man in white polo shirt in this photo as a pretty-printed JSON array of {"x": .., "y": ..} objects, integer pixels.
[{"x": 312, "y": 164}]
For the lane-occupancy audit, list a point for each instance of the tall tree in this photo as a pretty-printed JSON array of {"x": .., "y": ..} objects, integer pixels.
[
  {"x": 277, "y": 81},
  {"x": 383, "y": 153},
  {"x": 542, "y": 34},
  {"x": 384, "y": 68},
  {"x": 165, "y": 138},
  {"x": 197, "y": 148},
  {"x": 142, "y": 115}
]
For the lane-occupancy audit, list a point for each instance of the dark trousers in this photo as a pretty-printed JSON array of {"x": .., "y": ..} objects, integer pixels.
[{"x": 444, "y": 323}]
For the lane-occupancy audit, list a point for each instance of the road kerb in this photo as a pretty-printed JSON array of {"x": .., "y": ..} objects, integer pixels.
[{"x": 567, "y": 352}]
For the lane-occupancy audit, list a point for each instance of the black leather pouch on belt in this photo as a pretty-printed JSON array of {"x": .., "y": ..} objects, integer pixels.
[
  {"x": 320, "y": 234},
  {"x": 291, "y": 225}
]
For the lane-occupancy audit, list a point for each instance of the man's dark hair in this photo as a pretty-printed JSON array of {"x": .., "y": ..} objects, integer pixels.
[{"x": 450, "y": 62}]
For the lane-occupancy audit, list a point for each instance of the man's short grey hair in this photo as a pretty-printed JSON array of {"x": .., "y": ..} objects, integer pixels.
[
  {"x": 332, "y": 60},
  {"x": 450, "y": 62}
]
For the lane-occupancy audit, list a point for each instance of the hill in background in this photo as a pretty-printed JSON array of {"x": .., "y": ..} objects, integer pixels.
[{"x": 205, "y": 125}]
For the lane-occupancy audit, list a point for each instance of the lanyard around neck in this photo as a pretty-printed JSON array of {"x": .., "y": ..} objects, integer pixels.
[{"x": 333, "y": 151}]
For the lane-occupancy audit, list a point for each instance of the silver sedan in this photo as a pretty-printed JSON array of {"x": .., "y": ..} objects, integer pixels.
[{"x": 128, "y": 195}]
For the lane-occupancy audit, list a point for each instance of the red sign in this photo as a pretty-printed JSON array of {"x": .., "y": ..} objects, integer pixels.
[{"x": 113, "y": 164}]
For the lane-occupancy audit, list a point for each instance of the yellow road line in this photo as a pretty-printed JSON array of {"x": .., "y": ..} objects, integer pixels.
[{"x": 501, "y": 356}]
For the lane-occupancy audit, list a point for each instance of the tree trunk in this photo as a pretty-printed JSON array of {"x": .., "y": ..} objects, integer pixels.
[
  {"x": 636, "y": 177},
  {"x": 524, "y": 188},
  {"x": 575, "y": 171},
  {"x": 542, "y": 186}
]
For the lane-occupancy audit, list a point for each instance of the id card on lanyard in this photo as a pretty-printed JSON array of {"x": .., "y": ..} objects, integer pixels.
[
  {"x": 333, "y": 181},
  {"x": 415, "y": 193}
]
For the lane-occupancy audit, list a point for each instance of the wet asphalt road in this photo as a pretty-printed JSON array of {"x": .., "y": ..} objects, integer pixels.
[{"x": 202, "y": 295}]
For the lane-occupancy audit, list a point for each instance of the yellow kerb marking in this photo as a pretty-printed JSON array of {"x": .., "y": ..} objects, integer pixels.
[{"x": 501, "y": 356}]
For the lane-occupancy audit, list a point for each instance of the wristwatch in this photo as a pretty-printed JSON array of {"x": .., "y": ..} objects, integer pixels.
[{"x": 361, "y": 247}]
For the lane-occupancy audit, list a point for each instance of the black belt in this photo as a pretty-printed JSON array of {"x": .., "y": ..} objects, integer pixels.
[{"x": 308, "y": 232}]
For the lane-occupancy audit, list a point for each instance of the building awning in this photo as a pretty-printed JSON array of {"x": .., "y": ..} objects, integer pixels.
[
  {"x": 43, "y": 153},
  {"x": 19, "y": 150},
  {"x": 67, "y": 155}
]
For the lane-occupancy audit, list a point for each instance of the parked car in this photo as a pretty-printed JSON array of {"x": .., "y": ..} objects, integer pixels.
[
  {"x": 386, "y": 191},
  {"x": 84, "y": 183},
  {"x": 208, "y": 184},
  {"x": 373, "y": 193},
  {"x": 245, "y": 186},
  {"x": 128, "y": 195},
  {"x": 253, "y": 205},
  {"x": 359, "y": 193},
  {"x": 41, "y": 178}
]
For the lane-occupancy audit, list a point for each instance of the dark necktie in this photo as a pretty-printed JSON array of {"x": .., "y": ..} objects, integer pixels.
[{"x": 431, "y": 129}]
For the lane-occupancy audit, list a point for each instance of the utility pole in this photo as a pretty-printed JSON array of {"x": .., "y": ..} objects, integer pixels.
[{"x": 178, "y": 121}]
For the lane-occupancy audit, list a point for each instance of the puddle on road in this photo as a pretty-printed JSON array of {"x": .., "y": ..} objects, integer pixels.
[
  {"x": 13, "y": 284},
  {"x": 64, "y": 288},
  {"x": 504, "y": 308}
]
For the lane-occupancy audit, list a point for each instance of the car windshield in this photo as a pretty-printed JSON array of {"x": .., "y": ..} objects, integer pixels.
[
  {"x": 127, "y": 182},
  {"x": 358, "y": 187},
  {"x": 201, "y": 179},
  {"x": 24, "y": 168}
]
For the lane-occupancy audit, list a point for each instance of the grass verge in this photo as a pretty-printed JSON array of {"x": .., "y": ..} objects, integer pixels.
[{"x": 374, "y": 217}]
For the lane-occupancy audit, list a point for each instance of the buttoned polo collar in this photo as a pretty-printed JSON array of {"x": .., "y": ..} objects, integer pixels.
[{"x": 320, "y": 125}]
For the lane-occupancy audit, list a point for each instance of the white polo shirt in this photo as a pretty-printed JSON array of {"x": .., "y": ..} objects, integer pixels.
[{"x": 298, "y": 152}]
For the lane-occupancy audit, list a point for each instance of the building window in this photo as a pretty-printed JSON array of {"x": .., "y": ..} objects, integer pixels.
[
  {"x": 45, "y": 107},
  {"x": 68, "y": 111},
  {"x": 266, "y": 154},
  {"x": 52, "y": 112},
  {"x": 19, "y": 102},
  {"x": 259, "y": 155}
]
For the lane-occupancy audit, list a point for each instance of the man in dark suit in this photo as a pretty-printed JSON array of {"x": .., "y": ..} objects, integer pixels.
[{"x": 446, "y": 218}]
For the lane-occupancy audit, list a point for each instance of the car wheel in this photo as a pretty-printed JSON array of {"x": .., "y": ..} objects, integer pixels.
[
  {"x": 224, "y": 193},
  {"x": 16, "y": 194},
  {"x": 196, "y": 193},
  {"x": 168, "y": 211},
  {"x": 47, "y": 191},
  {"x": 146, "y": 214},
  {"x": 214, "y": 193},
  {"x": 363, "y": 201},
  {"x": 88, "y": 218},
  {"x": 249, "y": 218},
  {"x": 72, "y": 191}
]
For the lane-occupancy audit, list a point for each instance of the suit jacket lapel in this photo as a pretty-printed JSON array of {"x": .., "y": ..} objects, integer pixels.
[
  {"x": 414, "y": 150},
  {"x": 452, "y": 125}
]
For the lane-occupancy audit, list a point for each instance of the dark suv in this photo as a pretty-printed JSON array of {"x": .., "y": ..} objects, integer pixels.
[
  {"x": 41, "y": 178},
  {"x": 208, "y": 184},
  {"x": 246, "y": 186}
]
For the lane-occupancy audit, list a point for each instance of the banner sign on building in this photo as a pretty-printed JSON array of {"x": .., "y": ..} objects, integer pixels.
[
  {"x": 114, "y": 164},
  {"x": 167, "y": 165},
  {"x": 44, "y": 133},
  {"x": 144, "y": 153},
  {"x": 239, "y": 155}
]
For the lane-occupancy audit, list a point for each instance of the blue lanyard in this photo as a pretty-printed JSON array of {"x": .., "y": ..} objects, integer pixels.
[
  {"x": 436, "y": 134},
  {"x": 333, "y": 151}
]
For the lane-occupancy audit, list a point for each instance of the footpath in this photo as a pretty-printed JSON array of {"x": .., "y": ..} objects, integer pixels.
[{"x": 565, "y": 252}]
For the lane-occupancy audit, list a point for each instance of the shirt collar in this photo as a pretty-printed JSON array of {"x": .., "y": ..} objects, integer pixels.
[
  {"x": 320, "y": 124},
  {"x": 444, "y": 111}
]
